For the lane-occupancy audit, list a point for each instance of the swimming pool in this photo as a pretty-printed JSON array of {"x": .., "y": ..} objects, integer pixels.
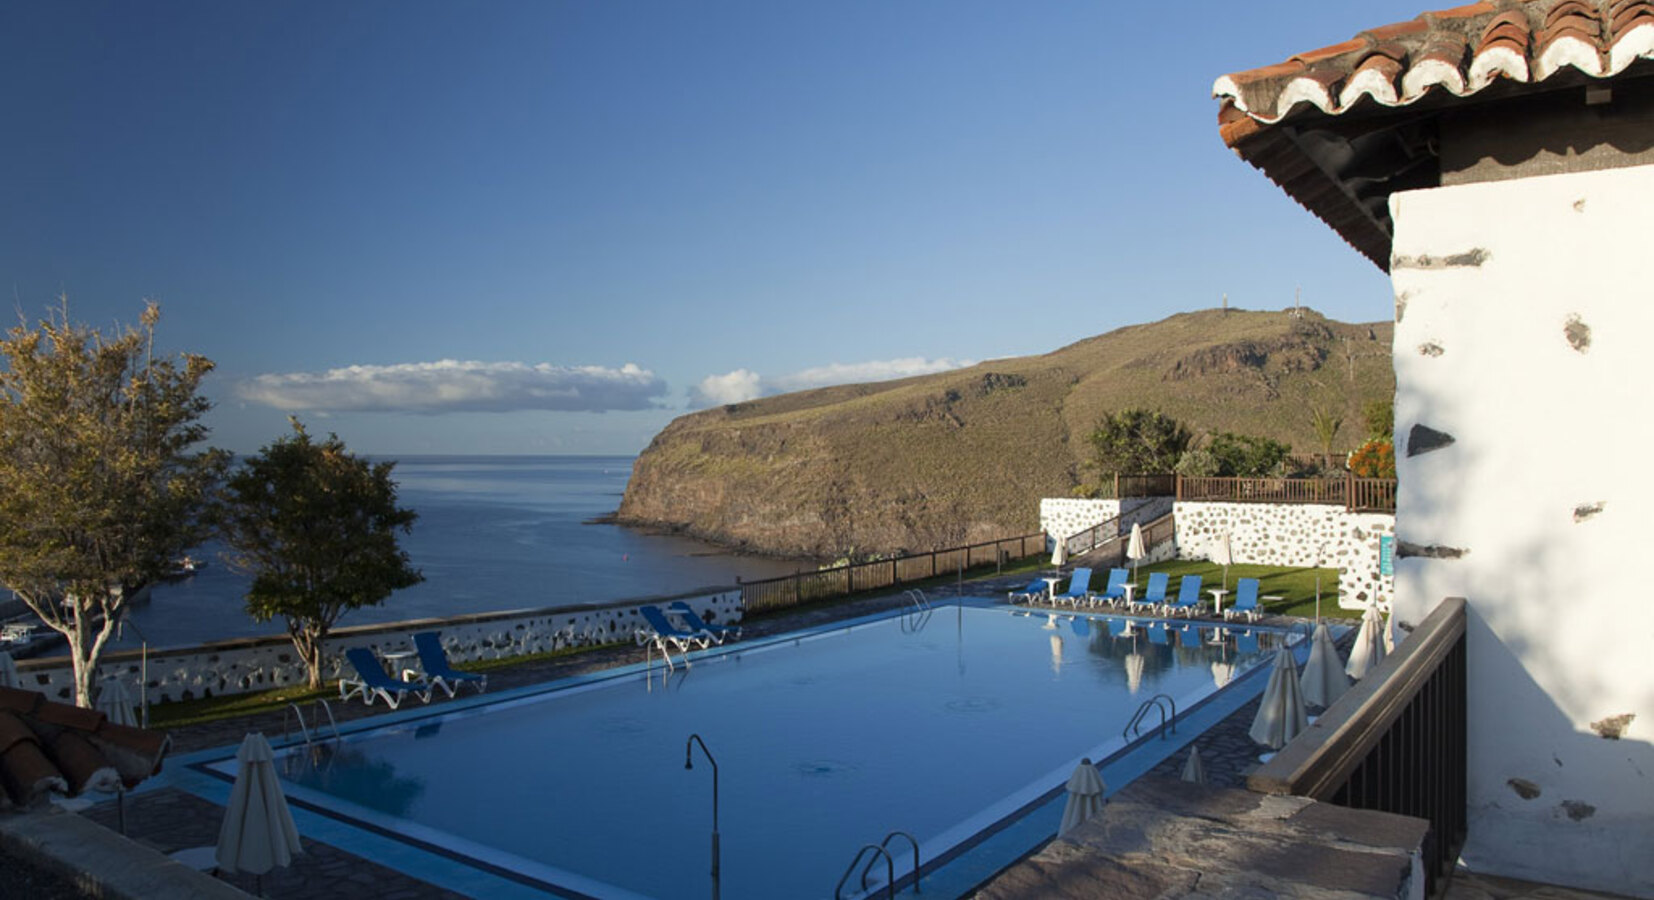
[{"x": 946, "y": 725}]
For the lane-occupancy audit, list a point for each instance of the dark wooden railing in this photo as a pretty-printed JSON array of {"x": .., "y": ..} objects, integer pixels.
[
  {"x": 1355, "y": 494},
  {"x": 1394, "y": 742},
  {"x": 1105, "y": 544},
  {"x": 1127, "y": 486},
  {"x": 850, "y": 578}
]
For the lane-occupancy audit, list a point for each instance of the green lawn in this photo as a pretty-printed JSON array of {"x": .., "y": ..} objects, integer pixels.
[{"x": 1297, "y": 586}]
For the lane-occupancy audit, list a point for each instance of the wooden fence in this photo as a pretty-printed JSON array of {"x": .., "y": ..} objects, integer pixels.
[
  {"x": 1354, "y": 494},
  {"x": 850, "y": 578},
  {"x": 1128, "y": 486},
  {"x": 1394, "y": 742}
]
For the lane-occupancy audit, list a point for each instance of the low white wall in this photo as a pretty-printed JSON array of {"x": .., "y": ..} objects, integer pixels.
[
  {"x": 255, "y": 664},
  {"x": 1293, "y": 534}
]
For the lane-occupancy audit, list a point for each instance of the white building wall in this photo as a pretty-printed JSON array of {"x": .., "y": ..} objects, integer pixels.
[{"x": 1525, "y": 311}]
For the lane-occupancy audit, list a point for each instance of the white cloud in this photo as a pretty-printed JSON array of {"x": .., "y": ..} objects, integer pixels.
[
  {"x": 855, "y": 373},
  {"x": 738, "y": 386},
  {"x": 742, "y": 384},
  {"x": 458, "y": 386}
]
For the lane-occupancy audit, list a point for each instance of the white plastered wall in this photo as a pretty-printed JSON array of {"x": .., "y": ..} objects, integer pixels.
[{"x": 1525, "y": 331}]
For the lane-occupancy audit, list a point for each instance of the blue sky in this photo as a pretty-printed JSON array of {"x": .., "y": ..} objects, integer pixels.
[{"x": 550, "y": 227}]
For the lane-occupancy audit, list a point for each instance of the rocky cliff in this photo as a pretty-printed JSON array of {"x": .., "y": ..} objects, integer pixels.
[{"x": 961, "y": 456}]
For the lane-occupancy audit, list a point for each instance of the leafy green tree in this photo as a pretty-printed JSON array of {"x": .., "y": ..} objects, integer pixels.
[
  {"x": 1247, "y": 456},
  {"x": 100, "y": 490},
  {"x": 1136, "y": 442},
  {"x": 316, "y": 528},
  {"x": 1379, "y": 416}
]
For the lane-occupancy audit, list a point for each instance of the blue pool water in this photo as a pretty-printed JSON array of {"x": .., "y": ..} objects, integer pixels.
[{"x": 941, "y": 725}]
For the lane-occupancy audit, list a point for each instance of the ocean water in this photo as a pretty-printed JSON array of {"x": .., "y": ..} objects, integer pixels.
[{"x": 494, "y": 533}]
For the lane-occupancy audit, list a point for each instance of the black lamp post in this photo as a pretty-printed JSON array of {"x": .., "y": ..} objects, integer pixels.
[{"x": 689, "y": 763}]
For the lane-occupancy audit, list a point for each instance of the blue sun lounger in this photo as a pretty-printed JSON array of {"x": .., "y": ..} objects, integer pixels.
[
  {"x": 1079, "y": 588},
  {"x": 434, "y": 660},
  {"x": 371, "y": 681},
  {"x": 1188, "y": 598},
  {"x": 1035, "y": 590},
  {"x": 1246, "y": 601},
  {"x": 718, "y": 632},
  {"x": 661, "y": 629},
  {"x": 1115, "y": 590},
  {"x": 1156, "y": 593}
]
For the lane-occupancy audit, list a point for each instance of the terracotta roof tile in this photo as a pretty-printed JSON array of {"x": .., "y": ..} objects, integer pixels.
[
  {"x": 1398, "y": 30},
  {"x": 1438, "y": 61},
  {"x": 48, "y": 747},
  {"x": 26, "y": 775},
  {"x": 1333, "y": 52},
  {"x": 1463, "y": 50},
  {"x": 20, "y": 701}
]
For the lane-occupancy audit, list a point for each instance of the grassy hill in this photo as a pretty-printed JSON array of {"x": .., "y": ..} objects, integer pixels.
[{"x": 940, "y": 460}]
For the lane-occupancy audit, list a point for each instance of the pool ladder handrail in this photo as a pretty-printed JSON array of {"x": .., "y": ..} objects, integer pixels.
[
  {"x": 915, "y": 619},
  {"x": 1166, "y": 724},
  {"x": 880, "y": 849},
  {"x": 293, "y": 711},
  {"x": 654, "y": 642}
]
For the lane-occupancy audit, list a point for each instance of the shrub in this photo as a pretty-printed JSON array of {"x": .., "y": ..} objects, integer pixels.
[{"x": 1374, "y": 459}]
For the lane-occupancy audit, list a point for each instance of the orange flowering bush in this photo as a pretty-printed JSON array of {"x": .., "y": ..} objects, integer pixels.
[{"x": 1374, "y": 459}]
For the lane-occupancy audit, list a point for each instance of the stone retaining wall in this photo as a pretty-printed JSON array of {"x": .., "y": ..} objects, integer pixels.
[
  {"x": 1293, "y": 534},
  {"x": 256, "y": 664},
  {"x": 1067, "y": 516},
  {"x": 1266, "y": 534}
]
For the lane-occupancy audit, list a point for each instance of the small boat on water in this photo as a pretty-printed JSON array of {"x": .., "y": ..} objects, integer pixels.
[
  {"x": 23, "y": 640},
  {"x": 185, "y": 566}
]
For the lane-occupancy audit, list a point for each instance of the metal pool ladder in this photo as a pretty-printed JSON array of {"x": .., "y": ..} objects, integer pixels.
[
  {"x": 293, "y": 710},
  {"x": 915, "y": 619},
  {"x": 877, "y": 850},
  {"x": 1135, "y": 726}
]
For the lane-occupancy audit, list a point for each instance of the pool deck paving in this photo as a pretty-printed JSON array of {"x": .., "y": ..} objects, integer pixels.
[{"x": 169, "y": 820}]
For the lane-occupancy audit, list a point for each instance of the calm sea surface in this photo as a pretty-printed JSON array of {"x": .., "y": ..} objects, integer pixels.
[{"x": 493, "y": 533}]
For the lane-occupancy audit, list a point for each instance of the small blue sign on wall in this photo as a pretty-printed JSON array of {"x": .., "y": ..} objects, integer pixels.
[{"x": 1386, "y": 555}]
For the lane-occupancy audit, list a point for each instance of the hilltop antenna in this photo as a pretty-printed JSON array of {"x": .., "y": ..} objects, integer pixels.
[
  {"x": 1226, "y": 304},
  {"x": 1297, "y": 304}
]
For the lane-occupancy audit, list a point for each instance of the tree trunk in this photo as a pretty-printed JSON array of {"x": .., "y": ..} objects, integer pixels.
[
  {"x": 73, "y": 618},
  {"x": 308, "y": 640}
]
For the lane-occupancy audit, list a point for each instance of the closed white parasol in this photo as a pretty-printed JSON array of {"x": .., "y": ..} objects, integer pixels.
[
  {"x": 258, "y": 832},
  {"x": 1224, "y": 555},
  {"x": 1324, "y": 679},
  {"x": 1369, "y": 644},
  {"x": 116, "y": 703},
  {"x": 1085, "y": 796},
  {"x": 1281, "y": 715},
  {"x": 1135, "y": 549},
  {"x": 1194, "y": 770}
]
